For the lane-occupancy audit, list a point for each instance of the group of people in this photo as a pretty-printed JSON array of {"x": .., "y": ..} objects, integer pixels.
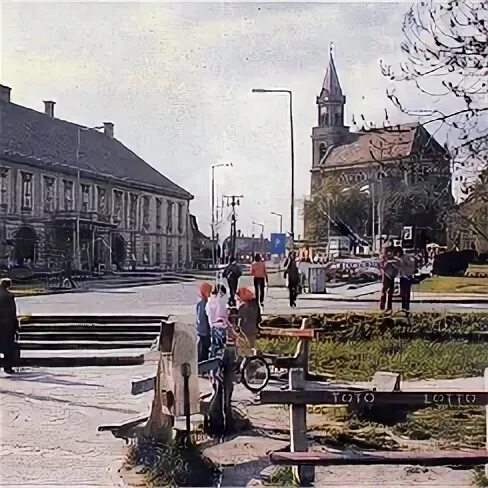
[
  {"x": 232, "y": 274},
  {"x": 394, "y": 262},
  {"x": 214, "y": 318}
]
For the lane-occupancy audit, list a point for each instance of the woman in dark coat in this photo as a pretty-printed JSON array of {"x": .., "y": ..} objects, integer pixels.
[
  {"x": 292, "y": 275},
  {"x": 249, "y": 314}
]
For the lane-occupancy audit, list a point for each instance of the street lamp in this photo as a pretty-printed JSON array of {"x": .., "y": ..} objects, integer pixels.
[
  {"x": 262, "y": 235},
  {"x": 292, "y": 148},
  {"x": 281, "y": 220},
  {"x": 78, "y": 190},
  {"x": 214, "y": 166}
]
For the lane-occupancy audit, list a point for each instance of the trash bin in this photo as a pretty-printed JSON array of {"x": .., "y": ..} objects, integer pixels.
[{"x": 317, "y": 279}]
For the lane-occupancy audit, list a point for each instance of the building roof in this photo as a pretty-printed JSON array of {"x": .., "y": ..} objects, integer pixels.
[
  {"x": 388, "y": 143},
  {"x": 36, "y": 138},
  {"x": 331, "y": 86}
]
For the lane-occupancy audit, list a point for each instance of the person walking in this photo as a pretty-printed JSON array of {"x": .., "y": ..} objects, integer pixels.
[
  {"x": 406, "y": 272},
  {"x": 203, "y": 327},
  {"x": 249, "y": 315},
  {"x": 232, "y": 273},
  {"x": 389, "y": 271},
  {"x": 292, "y": 275},
  {"x": 9, "y": 325},
  {"x": 260, "y": 275},
  {"x": 218, "y": 319}
]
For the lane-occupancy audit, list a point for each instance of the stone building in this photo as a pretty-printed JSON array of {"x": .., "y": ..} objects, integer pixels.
[
  {"x": 382, "y": 158},
  {"x": 69, "y": 192}
]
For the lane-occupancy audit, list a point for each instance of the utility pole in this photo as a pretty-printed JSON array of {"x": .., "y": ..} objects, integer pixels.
[
  {"x": 234, "y": 201},
  {"x": 214, "y": 211}
]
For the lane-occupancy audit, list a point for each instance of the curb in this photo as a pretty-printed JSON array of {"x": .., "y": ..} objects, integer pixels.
[{"x": 414, "y": 300}]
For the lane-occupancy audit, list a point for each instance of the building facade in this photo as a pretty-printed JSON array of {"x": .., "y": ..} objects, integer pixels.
[
  {"x": 71, "y": 193},
  {"x": 383, "y": 159}
]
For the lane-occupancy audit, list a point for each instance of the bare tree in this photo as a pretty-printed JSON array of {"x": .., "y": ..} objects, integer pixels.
[{"x": 446, "y": 49}]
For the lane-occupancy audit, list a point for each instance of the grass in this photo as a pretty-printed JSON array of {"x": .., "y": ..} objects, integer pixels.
[
  {"x": 29, "y": 290},
  {"x": 358, "y": 360},
  {"x": 282, "y": 476},
  {"x": 171, "y": 465},
  {"x": 452, "y": 284}
]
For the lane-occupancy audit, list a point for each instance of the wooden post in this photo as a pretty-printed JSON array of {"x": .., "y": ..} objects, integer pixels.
[
  {"x": 304, "y": 475},
  {"x": 486, "y": 419},
  {"x": 186, "y": 372}
]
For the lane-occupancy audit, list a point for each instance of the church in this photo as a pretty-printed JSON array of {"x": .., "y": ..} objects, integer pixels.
[{"x": 380, "y": 160}]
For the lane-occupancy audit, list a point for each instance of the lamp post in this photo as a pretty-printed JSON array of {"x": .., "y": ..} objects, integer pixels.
[
  {"x": 292, "y": 149},
  {"x": 281, "y": 220},
  {"x": 262, "y": 235},
  {"x": 77, "y": 194},
  {"x": 214, "y": 166}
]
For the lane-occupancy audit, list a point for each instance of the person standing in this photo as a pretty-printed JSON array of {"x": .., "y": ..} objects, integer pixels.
[
  {"x": 9, "y": 325},
  {"x": 249, "y": 315},
  {"x": 292, "y": 275},
  {"x": 260, "y": 275},
  {"x": 406, "y": 271},
  {"x": 218, "y": 319},
  {"x": 232, "y": 274},
  {"x": 389, "y": 272},
  {"x": 203, "y": 327}
]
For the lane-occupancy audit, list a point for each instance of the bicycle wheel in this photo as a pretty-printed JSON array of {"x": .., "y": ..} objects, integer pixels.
[{"x": 255, "y": 373}]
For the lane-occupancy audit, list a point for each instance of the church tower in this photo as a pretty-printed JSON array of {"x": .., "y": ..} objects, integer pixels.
[{"x": 330, "y": 130}]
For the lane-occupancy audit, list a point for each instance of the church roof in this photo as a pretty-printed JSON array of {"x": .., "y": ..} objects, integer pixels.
[
  {"x": 331, "y": 86},
  {"x": 382, "y": 144},
  {"x": 35, "y": 138}
]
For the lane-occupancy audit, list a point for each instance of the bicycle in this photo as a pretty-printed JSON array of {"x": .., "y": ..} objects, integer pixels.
[{"x": 252, "y": 371}]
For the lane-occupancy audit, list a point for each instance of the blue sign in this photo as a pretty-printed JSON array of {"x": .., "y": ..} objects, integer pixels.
[{"x": 278, "y": 243}]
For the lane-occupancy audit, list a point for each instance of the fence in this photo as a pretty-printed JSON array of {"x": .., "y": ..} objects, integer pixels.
[{"x": 302, "y": 391}]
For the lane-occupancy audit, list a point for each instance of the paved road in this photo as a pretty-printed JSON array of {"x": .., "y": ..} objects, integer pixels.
[{"x": 180, "y": 298}]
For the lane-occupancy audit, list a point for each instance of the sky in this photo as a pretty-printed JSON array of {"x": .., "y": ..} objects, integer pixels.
[{"x": 176, "y": 81}]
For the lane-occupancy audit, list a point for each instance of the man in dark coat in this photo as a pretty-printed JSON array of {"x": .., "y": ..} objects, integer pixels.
[
  {"x": 9, "y": 325},
  {"x": 292, "y": 275},
  {"x": 232, "y": 274}
]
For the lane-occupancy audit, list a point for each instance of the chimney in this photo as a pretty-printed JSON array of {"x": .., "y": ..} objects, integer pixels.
[
  {"x": 5, "y": 93},
  {"x": 108, "y": 129},
  {"x": 49, "y": 108}
]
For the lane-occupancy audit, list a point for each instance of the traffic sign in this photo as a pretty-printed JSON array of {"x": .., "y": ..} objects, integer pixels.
[{"x": 278, "y": 243}]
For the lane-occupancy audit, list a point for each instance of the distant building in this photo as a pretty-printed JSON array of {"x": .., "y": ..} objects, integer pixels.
[
  {"x": 247, "y": 247},
  {"x": 62, "y": 184},
  {"x": 201, "y": 246},
  {"x": 381, "y": 158}
]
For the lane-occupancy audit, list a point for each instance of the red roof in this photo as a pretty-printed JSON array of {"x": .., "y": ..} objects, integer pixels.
[{"x": 376, "y": 144}]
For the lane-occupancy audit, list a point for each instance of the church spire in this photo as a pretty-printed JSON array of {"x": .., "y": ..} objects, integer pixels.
[
  {"x": 331, "y": 86},
  {"x": 331, "y": 100}
]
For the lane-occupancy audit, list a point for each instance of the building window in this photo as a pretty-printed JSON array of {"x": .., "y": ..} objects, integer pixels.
[
  {"x": 85, "y": 198},
  {"x": 117, "y": 213},
  {"x": 158, "y": 254},
  {"x": 49, "y": 196},
  {"x": 180, "y": 256},
  {"x": 180, "y": 218},
  {"x": 169, "y": 226},
  {"x": 145, "y": 212},
  {"x": 68, "y": 194},
  {"x": 26, "y": 191},
  {"x": 146, "y": 253},
  {"x": 133, "y": 211},
  {"x": 169, "y": 253},
  {"x": 4, "y": 187},
  {"x": 159, "y": 205},
  {"x": 102, "y": 200}
]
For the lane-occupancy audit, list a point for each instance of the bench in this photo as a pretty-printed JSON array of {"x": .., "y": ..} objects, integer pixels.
[{"x": 425, "y": 458}]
